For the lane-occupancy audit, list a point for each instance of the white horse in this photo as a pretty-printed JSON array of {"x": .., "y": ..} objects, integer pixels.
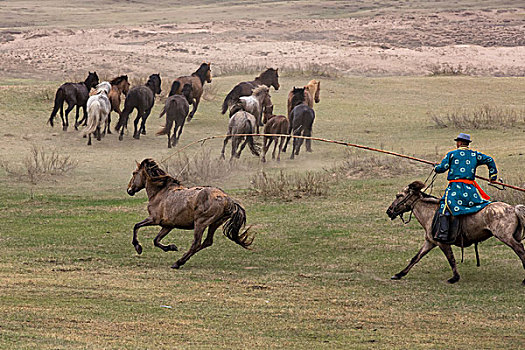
[
  {"x": 240, "y": 123},
  {"x": 254, "y": 104},
  {"x": 98, "y": 107}
]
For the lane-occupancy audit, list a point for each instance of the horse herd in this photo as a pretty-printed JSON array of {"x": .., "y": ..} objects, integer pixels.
[{"x": 249, "y": 103}]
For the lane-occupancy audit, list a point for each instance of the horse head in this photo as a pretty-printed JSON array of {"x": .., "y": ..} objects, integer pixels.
[
  {"x": 91, "y": 80},
  {"x": 405, "y": 199},
  {"x": 154, "y": 82},
  {"x": 270, "y": 77},
  {"x": 315, "y": 86},
  {"x": 138, "y": 180},
  {"x": 208, "y": 71}
]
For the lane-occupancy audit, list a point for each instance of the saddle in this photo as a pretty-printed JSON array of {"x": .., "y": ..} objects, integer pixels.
[{"x": 446, "y": 228}]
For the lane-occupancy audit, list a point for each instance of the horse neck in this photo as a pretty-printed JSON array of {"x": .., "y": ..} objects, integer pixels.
[
  {"x": 262, "y": 80},
  {"x": 153, "y": 189},
  {"x": 424, "y": 211},
  {"x": 151, "y": 85},
  {"x": 201, "y": 74}
]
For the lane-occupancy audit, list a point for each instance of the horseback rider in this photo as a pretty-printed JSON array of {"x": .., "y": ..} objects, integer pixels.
[{"x": 463, "y": 195}]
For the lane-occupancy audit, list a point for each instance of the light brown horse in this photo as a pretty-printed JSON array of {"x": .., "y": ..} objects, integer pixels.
[
  {"x": 312, "y": 92},
  {"x": 119, "y": 85},
  {"x": 274, "y": 124},
  {"x": 498, "y": 219},
  {"x": 172, "y": 205},
  {"x": 197, "y": 80}
]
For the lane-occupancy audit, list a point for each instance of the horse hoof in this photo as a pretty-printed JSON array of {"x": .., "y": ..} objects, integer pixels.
[
  {"x": 395, "y": 277},
  {"x": 453, "y": 280},
  {"x": 176, "y": 266},
  {"x": 136, "y": 136},
  {"x": 120, "y": 138},
  {"x": 109, "y": 132},
  {"x": 263, "y": 160},
  {"x": 138, "y": 248},
  {"x": 64, "y": 128},
  {"x": 143, "y": 132}
]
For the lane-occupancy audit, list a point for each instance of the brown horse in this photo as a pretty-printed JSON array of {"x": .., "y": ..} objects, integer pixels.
[
  {"x": 498, "y": 219},
  {"x": 274, "y": 124},
  {"x": 197, "y": 80},
  {"x": 119, "y": 85},
  {"x": 270, "y": 77},
  {"x": 312, "y": 92},
  {"x": 176, "y": 110},
  {"x": 172, "y": 205}
]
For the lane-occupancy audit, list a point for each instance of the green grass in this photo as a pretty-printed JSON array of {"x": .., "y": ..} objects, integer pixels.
[{"x": 318, "y": 276}]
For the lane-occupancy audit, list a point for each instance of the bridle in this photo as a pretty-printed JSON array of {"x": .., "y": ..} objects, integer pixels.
[{"x": 411, "y": 206}]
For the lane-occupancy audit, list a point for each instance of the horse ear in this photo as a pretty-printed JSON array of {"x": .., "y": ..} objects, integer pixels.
[{"x": 138, "y": 164}]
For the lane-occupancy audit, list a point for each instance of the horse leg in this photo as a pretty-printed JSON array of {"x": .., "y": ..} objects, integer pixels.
[
  {"x": 194, "y": 109},
  {"x": 427, "y": 246},
  {"x": 276, "y": 141},
  {"x": 197, "y": 237},
  {"x": 69, "y": 108},
  {"x": 308, "y": 142},
  {"x": 146, "y": 222},
  {"x": 235, "y": 144},
  {"x": 242, "y": 146},
  {"x": 143, "y": 124},
  {"x": 447, "y": 250},
  {"x": 208, "y": 241},
  {"x": 224, "y": 145},
  {"x": 107, "y": 128},
  {"x": 179, "y": 133},
  {"x": 167, "y": 248},
  {"x": 136, "y": 131},
  {"x": 89, "y": 139},
  {"x": 517, "y": 247},
  {"x": 266, "y": 144},
  {"x": 280, "y": 148}
]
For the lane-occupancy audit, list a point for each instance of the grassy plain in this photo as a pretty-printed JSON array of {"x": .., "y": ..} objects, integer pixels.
[{"x": 319, "y": 274}]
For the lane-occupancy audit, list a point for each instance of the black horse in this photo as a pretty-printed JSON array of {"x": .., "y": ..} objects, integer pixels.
[
  {"x": 142, "y": 98},
  {"x": 270, "y": 77},
  {"x": 301, "y": 122},
  {"x": 176, "y": 110},
  {"x": 75, "y": 94}
]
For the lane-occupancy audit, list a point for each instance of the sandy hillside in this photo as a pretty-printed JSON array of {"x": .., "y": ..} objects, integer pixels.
[{"x": 477, "y": 42}]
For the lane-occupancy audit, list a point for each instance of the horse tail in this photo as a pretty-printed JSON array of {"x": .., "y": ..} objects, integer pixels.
[
  {"x": 519, "y": 234},
  {"x": 231, "y": 98},
  {"x": 59, "y": 101},
  {"x": 93, "y": 118},
  {"x": 167, "y": 128},
  {"x": 251, "y": 143},
  {"x": 174, "y": 88},
  {"x": 236, "y": 221}
]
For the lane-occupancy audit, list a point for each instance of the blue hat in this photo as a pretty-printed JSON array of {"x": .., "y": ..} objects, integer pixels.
[{"x": 463, "y": 137}]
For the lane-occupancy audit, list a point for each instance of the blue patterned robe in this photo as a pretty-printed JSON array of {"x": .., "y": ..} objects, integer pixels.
[{"x": 461, "y": 198}]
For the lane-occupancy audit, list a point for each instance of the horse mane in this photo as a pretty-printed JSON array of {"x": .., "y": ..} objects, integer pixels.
[
  {"x": 201, "y": 71},
  {"x": 297, "y": 96},
  {"x": 417, "y": 186},
  {"x": 119, "y": 80},
  {"x": 268, "y": 73},
  {"x": 158, "y": 176}
]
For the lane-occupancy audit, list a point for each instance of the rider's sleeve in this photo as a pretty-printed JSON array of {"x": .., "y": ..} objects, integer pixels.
[
  {"x": 444, "y": 165},
  {"x": 489, "y": 162}
]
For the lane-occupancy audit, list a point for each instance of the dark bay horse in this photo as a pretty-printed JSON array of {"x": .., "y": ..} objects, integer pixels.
[
  {"x": 301, "y": 122},
  {"x": 142, "y": 98},
  {"x": 75, "y": 94},
  {"x": 274, "y": 124},
  {"x": 119, "y": 85},
  {"x": 498, "y": 219},
  {"x": 197, "y": 80},
  {"x": 176, "y": 110},
  {"x": 172, "y": 205},
  {"x": 270, "y": 77}
]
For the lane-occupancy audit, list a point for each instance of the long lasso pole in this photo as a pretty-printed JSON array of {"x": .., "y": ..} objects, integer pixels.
[{"x": 348, "y": 144}]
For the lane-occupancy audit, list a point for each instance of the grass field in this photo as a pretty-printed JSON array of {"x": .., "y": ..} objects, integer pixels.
[{"x": 318, "y": 276}]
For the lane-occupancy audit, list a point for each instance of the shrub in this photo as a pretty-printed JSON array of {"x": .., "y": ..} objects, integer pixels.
[
  {"x": 484, "y": 117},
  {"x": 288, "y": 186}
]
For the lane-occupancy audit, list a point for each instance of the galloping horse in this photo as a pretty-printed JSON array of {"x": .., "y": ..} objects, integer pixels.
[
  {"x": 274, "y": 124},
  {"x": 172, "y": 205},
  {"x": 312, "y": 92},
  {"x": 176, "y": 110},
  {"x": 301, "y": 122},
  {"x": 75, "y": 94},
  {"x": 498, "y": 219},
  {"x": 241, "y": 122},
  {"x": 197, "y": 80},
  {"x": 269, "y": 77},
  {"x": 254, "y": 104},
  {"x": 142, "y": 98},
  {"x": 98, "y": 107},
  {"x": 119, "y": 85}
]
